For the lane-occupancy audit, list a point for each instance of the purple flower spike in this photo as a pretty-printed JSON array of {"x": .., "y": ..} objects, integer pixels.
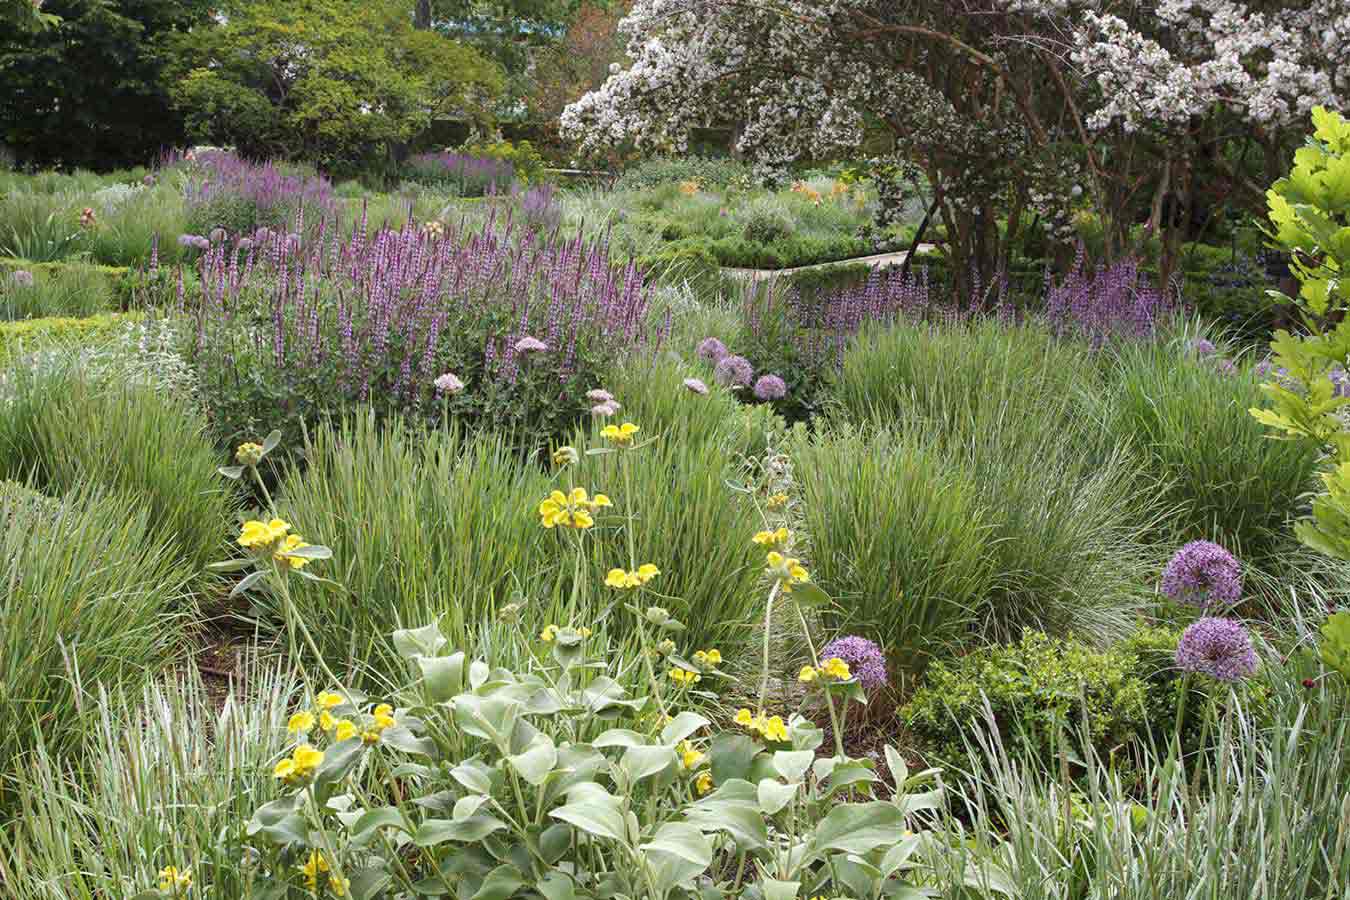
[
  {"x": 695, "y": 385},
  {"x": 770, "y": 387},
  {"x": 734, "y": 370},
  {"x": 1220, "y": 648},
  {"x": 865, "y": 659},
  {"x": 712, "y": 350},
  {"x": 1203, "y": 574}
]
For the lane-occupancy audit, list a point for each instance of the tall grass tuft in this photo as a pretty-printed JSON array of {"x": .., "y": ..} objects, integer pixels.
[
  {"x": 897, "y": 538},
  {"x": 170, "y": 779},
  {"x": 91, "y": 597},
  {"x": 1223, "y": 477},
  {"x": 62, "y": 427}
]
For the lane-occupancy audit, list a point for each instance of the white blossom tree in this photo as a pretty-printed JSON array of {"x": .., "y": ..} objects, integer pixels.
[{"x": 1008, "y": 106}]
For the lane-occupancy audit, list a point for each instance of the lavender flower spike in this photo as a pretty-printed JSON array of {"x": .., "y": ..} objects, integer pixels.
[
  {"x": 865, "y": 659},
  {"x": 734, "y": 370},
  {"x": 1203, "y": 574},
  {"x": 1220, "y": 648}
]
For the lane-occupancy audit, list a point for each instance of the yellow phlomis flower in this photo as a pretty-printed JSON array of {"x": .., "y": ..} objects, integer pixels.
[
  {"x": 548, "y": 634},
  {"x": 777, "y": 501},
  {"x": 620, "y": 434},
  {"x": 570, "y": 510},
  {"x": 787, "y": 570},
  {"x": 171, "y": 879},
  {"x": 807, "y": 674},
  {"x": 777, "y": 538},
  {"x": 621, "y": 580},
  {"x": 326, "y": 720},
  {"x": 684, "y": 677},
  {"x": 329, "y": 700},
  {"x": 300, "y": 723},
  {"x": 708, "y": 657},
  {"x": 283, "y": 553},
  {"x": 836, "y": 668},
  {"x": 345, "y": 729},
  {"x": 703, "y": 783},
  {"x": 690, "y": 755}
]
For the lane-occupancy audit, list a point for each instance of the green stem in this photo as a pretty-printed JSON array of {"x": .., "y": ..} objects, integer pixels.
[
  {"x": 768, "y": 626},
  {"x": 835, "y": 722}
]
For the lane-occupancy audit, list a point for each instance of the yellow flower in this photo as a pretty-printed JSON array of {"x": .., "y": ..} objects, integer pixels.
[
  {"x": 715, "y": 656},
  {"x": 689, "y": 188},
  {"x": 570, "y": 511},
  {"x": 171, "y": 879},
  {"x": 786, "y": 570},
  {"x": 703, "y": 783},
  {"x": 283, "y": 553},
  {"x": 777, "y": 501},
  {"x": 313, "y": 867},
  {"x": 384, "y": 709},
  {"x": 646, "y": 572},
  {"x": 689, "y": 755},
  {"x": 338, "y": 885},
  {"x": 326, "y": 720},
  {"x": 346, "y": 728},
  {"x": 836, "y": 668},
  {"x": 254, "y": 534},
  {"x": 806, "y": 675},
  {"x": 248, "y": 454},
  {"x": 370, "y": 736},
  {"x": 300, "y": 723},
  {"x": 307, "y": 759},
  {"x": 565, "y": 456},
  {"x": 329, "y": 700},
  {"x": 548, "y": 634},
  {"x": 684, "y": 676},
  {"x": 709, "y": 658},
  {"x": 620, "y": 434},
  {"x": 775, "y": 730},
  {"x": 584, "y": 631},
  {"x": 284, "y": 769},
  {"x": 777, "y": 538},
  {"x": 383, "y": 720},
  {"x": 744, "y": 717},
  {"x": 621, "y": 580}
]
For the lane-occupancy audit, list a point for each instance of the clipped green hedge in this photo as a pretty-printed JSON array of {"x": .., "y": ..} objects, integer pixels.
[{"x": 58, "y": 330}]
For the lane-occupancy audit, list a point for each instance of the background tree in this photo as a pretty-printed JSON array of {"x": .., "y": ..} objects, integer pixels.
[
  {"x": 25, "y": 14},
  {"x": 577, "y": 64},
  {"x": 88, "y": 91},
  {"x": 340, "y": 83}
]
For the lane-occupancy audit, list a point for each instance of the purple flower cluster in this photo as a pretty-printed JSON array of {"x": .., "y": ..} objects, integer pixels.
[
  {"x": 1115, "y": 302},
  {"x": 770, "y": 387},
  {"x": 1220, "y": 648},
  {"x": 865, "y": 659},
  {"x": 22, "y": 278},
  {"x": 710, "y": 349},
  {"x": 732, "y": 370},
  {"x": 1203, "y": 574},
  {"x": 472, "y": 176},
  {"x": 1202, "y": 346},
  {"x": 274, "y": 194}
]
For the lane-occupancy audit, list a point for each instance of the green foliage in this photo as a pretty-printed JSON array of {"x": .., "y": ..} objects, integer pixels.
[
  {"x": 526, "y": 161},
  {"x": 170, "y": 773},
  {"x": 649, "y": 173},
  {"x": 18, "y": 337},
  {"x": 91, "y": 90},
  {"x": 63, "y": 427},
  {"x": 1047, "y": 696},
  {"x": 368, "y": 81},
  {"x": 92, "y": 597},
  {"x": 1310, "y": 218},
  {"x": 68, "y": 289}
]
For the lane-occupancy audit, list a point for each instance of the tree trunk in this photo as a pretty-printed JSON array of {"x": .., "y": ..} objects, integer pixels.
[{"x": 422, "y": 15}]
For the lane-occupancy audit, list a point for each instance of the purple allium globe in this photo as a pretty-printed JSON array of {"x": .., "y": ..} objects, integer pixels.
[
  {"x": 217, "y": 235},
  {"x": 1227, "y": 367},
  {"x": 22, "y": 278},
  {"x": 770, "y": 387},
  {"x": 734, "y": 370},
  {"x": 1263, "y": 368},
  {"x": 712, "y": 350},
  {"x": 864, "y": 659},
  {"x": 1220, "y": 648},
  {"x": 1203, "y": 574},
  {"x": 608, "y": 408},
  {"x": 529, "y": 344},
  {"x": 695, "y": 385},
  {"x": 599, "y": 395},
  {"x": 1201, "y": 346}
]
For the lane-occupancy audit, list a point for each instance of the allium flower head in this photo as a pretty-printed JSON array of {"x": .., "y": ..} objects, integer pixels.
[
  {"x": 448, "y": 383},
  {"x": 599, "y": 395},
  {"x": 529, "y": 344},
  {"x": 217, "y": 235},
  {"x": 734, "y": 370},
  {"x": 187, "y": 240},
  {"x": 1203, "y": 574},
  {"x": 608, "y": 408},
  {"x": 864, "y": 658},
  {"x": 244, "y": 245},
  {"x": 1201, "y": 346},
  {"x": 201, "y": 242},
  {"x": 22, "y": 278},
  {"x": 1220, "y": 648},
  {"x": 712, "y": 350},
  {"x": 695, "y": 385},
  {"x": 770, "y": 387}
]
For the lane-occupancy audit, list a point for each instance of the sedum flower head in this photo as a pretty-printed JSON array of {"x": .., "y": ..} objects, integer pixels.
[
  {"x": 599, "y": 395},
  {"x": 864, "y": 657},
  {"x": 605, "y": 409},
  {"x": 529, "y": 344},
  {"x": 1203, "y": 574},
  {"x": 1220, "y": 648}
]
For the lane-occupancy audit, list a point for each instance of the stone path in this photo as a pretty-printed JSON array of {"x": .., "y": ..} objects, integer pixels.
[{"x": 877, "y": 260}]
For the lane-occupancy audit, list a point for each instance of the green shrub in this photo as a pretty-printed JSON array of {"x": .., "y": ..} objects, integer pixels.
[
  {"x": 171, "y": 773},
  {"x": 896, "y": 537},
  {"x": 18, "y": 337},
  {"x": 63, "y": 427},
  {"x": 1222, "y": 477},
  {"x": 650, "y": 173},
  {"x": 91, "y": 599},
  {"x": 1045, "y": 693},
  {"x": 69, "y": 289}
]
